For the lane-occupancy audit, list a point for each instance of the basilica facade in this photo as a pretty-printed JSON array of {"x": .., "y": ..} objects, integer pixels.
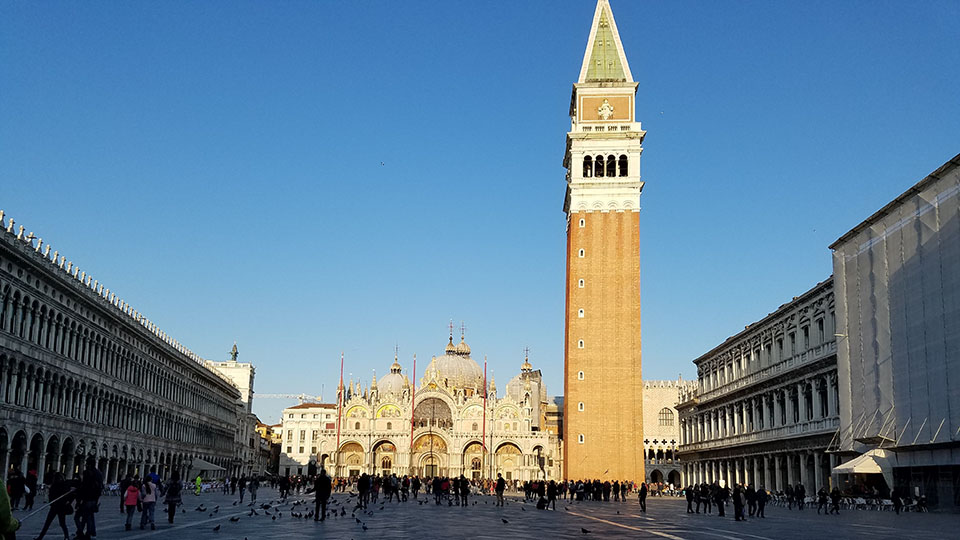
[{"x": 452, "y": 422}]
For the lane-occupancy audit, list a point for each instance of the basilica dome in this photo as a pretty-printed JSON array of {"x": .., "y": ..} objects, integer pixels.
[
  {"x": 392, "y": 382},
  {"x": 455, "y": 369}
]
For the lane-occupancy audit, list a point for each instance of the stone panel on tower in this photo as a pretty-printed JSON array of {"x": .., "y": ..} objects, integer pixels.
[{"x": 603, "y": 402}]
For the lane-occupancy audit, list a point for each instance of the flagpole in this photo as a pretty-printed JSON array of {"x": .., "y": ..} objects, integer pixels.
[
  {"x": 413, "y": 401},
  {"x": 339, "y": 411},
  {"x": 484, "y": 439}
]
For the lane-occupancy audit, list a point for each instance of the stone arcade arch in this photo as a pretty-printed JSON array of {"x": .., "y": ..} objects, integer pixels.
[
  {"x": 430, "y": 451},
  {"x": 351, "y": 459},
  {"x": 473, "y": 460},
  {"x": 385, "y": 458},
  {"x": 508, "y": 460}
]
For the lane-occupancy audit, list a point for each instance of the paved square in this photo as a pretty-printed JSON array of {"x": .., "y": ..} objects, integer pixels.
[{"x": 665, "y": 518}]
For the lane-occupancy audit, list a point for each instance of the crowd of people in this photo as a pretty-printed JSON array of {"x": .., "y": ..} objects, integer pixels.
[{"x": 80, "y": 496}]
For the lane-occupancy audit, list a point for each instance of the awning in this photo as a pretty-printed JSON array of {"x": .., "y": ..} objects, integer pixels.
[
  {"x": 875, "y": 461},
  {"x": 203, "y": 465}
]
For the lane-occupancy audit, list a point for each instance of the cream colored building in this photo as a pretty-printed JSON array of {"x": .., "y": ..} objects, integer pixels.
[
  {"x": 661, "y": 429},
  {"x": 434, "y": 428}
]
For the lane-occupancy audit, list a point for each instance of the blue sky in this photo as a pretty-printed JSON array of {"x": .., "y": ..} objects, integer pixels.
[{"x": 218, "y": 164}]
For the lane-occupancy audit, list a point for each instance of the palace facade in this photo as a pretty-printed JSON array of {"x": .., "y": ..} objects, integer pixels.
[
  {"x": 84, "y": 374},
  {"x": 449, "y": 424},
  {"x": 765, "y": 408}
]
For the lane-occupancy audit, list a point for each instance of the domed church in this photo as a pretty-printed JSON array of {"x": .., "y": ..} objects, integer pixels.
[{"x": 438, "y": 427}]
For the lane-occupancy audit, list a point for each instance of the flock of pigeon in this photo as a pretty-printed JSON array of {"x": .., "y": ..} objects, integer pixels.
[{"x": 302, "y": 509}]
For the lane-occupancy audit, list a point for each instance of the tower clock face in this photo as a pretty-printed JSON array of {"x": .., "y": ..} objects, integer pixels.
[{"x": 605, "y": 108}]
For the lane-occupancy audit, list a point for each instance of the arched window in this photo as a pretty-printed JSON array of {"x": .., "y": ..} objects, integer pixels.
[
  {"x": 580, "y": 284},
  {"x": 580, "y": 438},
  {"x": 623, "y": 165},
  {"x": 475, "y": 427},
  {"x": 389, "y": 425},
  {"x": 357, "y": 426},
  {"x": 475, "y": 464},
  {"x": 580, "y": 406},
  {"x": 666, "y": 417},
  {"x": 580, "y": 313},
  {"x": 587, "y": 166},
  {"x": 580, "y": 344},
  {"x": 598, "y": 166},
  {"x": 611, "y": 166},
  {"x": 385, "y": 463}
]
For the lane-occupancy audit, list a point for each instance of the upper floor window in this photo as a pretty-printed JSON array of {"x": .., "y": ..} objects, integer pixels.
[
  {"x": 587, "y": 166},
  {"x": 612, "y": 166},
  {"x": 666, "y": 417},
  {"x": 623, "y": 165}
]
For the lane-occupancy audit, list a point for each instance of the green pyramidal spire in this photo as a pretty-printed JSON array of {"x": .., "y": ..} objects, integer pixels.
[{"x": 604, "y": 60}]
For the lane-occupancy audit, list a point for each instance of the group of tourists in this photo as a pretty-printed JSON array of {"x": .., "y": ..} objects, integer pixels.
[
  {"x": 595, "y": 490},
  {"x": 81, "y": 497},
  {"x": 716, "y": 495}
]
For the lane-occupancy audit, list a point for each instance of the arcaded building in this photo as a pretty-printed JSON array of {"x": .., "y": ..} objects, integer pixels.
[
  {"x": 603, "y": 390},
  {"x": 765, "y": 409},
  {"x": 449, "y": 424},
  {"x": 84, "y": 374}
]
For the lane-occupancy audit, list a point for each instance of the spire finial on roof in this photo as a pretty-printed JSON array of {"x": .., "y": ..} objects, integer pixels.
[
  {"x": 233, "y": 352},
  {"x": 604, "y": 59}
]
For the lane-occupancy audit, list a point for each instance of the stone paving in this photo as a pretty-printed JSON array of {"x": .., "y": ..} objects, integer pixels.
[{"x": 665, "y": 518}]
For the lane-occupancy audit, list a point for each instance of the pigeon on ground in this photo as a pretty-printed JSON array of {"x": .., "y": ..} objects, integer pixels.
[
  {"x": 584, "y": 531},
  {"x": 234, "y": 503},
  {"x": 364, "y": 527},
  {"x": 235, "y": 519},
  {"x": 216, "y": 529},
  {"x": 524, "y": 509},
  {"x": 503, "y": 520}
]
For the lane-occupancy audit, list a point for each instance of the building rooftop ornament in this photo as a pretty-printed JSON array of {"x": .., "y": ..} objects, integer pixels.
[
  {"x": 604, "y": 59},
  {"x": 234, "y": 353}
]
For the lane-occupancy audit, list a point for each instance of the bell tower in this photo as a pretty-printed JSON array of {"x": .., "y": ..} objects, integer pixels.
[{"x": 603, "y": 405}]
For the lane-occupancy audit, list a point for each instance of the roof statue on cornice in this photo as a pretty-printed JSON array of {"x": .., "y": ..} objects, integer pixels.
[{"x": 604, "y": 59}]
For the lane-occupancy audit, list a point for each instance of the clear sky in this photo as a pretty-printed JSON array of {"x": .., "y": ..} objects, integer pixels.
[{"x": 313, "y": 177}]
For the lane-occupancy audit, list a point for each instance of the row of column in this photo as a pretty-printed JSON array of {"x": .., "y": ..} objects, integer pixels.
[
  {"x": 775, "y": 408},
  {"x": 771, "y": 471}
]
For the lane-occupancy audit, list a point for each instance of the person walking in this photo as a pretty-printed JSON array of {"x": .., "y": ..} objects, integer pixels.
[
  {"x": 788, "y": 492},
  {"x": 738, "y": 500},
  {"x": 689, "y": 492},
  {"x": 835, "y": 501},
  {"x": 751, "y": 500},
  {"x": 721, "y": 494},
  {"x": 762, "y": 498},
  {"x": 173, "y": 496},
  {"x": 323, "y": 488},
  {"x": 642, "y": 497},
  {"x": 16, "y": 486},
  {"x": 822, "y": 501},
  {"x": 464, "y": 490},
  {"x": 88, "y": 495},
  {"x": 801, "y": 494},
  {"x": 199, "y": 485},
  {"x": 30, "y": 489},
  {"x": 148, "y": 498},
  {"x": 61, "y": 504},
  {"x": 129, "y": 501},
  {"x": 552, "y": 494},
  {"x": 242, "y": 484},
  {"x": 252, "y": 486},
  {"x": 706, "y": 496},
  {"x": 415, "y": 486},
  {"x": 501, "y": 485}
]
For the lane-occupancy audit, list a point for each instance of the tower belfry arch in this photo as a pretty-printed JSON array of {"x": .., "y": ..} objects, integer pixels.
[{"x": 603, "y": 416}]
